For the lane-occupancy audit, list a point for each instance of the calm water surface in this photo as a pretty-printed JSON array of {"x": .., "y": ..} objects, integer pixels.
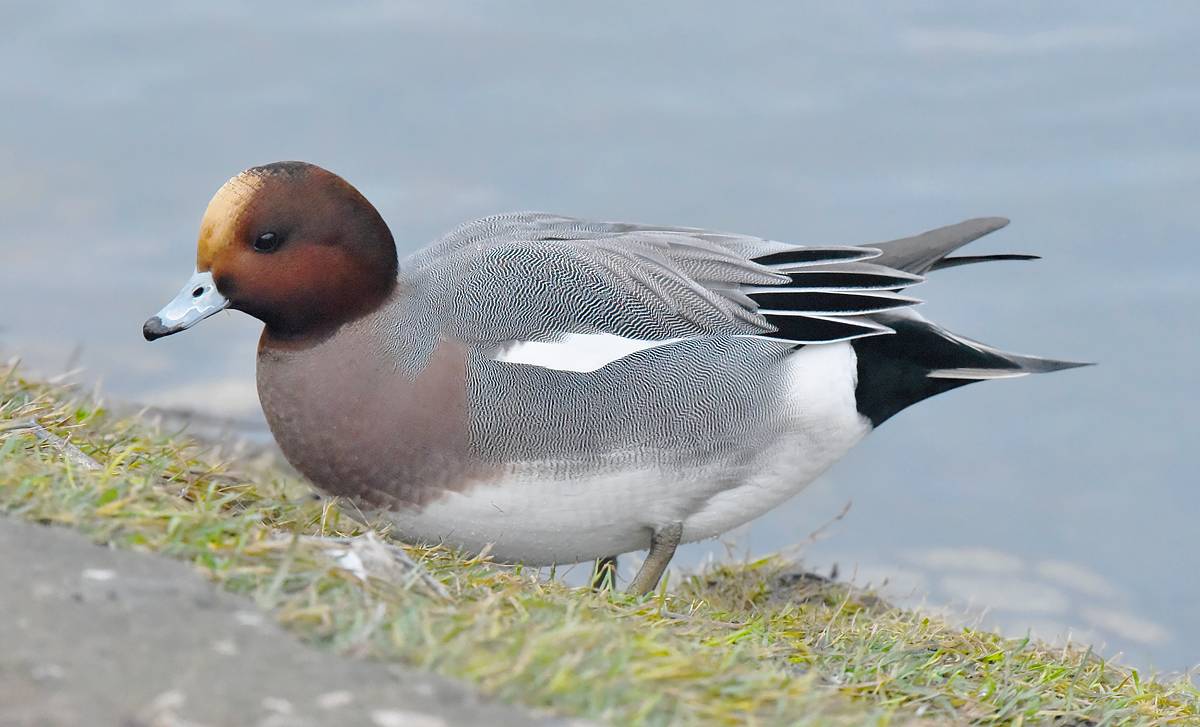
[{"x": 1061, "y": 503}]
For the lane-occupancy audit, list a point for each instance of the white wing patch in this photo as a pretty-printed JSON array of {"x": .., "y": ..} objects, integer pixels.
[{"x": 576, "y": 351}]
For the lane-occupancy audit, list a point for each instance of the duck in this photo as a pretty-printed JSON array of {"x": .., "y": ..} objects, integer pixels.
[{"x": 554, "y": 390}]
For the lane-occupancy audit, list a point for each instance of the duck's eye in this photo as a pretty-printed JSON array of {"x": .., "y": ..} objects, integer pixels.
[{"x": 266, "y": 242}]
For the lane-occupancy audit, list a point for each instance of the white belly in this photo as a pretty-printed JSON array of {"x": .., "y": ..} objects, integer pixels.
[{"x": 536, "y": 519}]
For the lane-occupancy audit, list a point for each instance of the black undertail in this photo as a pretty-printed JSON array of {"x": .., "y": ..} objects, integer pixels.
[
  {"x": 853, "y": 294},
  {"x": 921, "y": 359}
]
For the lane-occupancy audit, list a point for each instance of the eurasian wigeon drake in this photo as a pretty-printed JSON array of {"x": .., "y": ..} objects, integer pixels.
[{"x": 558, "y": 389}]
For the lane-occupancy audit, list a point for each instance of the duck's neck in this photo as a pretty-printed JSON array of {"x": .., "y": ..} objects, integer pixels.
[{"x": 307, "y": 325}]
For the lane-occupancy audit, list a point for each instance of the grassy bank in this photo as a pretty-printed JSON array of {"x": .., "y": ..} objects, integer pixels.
[{"x": 752, "y": 642}]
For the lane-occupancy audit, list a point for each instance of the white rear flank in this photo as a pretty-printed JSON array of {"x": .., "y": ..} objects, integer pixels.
[{"x": 825, "y": 424}]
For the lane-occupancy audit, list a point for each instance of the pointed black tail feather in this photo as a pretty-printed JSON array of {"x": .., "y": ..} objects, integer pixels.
[
  {"x": 802, "y": 257},
  {"x": 783, "y": 299},
  {"x": 920, "y": 253},
  {"x": 805, "y": 329},
  {"x": 921, "y": 360},
  {"x": 956, "y": 260},
  {"x": 854, "y": 276}
]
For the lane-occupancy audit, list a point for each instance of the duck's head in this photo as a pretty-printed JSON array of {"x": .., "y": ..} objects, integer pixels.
[{"x": 291, "y": 244}]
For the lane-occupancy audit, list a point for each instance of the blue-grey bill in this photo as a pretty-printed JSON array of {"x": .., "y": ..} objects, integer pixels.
[{"x": 198, "y": 300}]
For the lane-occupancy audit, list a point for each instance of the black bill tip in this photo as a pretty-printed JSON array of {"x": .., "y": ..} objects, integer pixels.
[{"x": 154, "y": 329}]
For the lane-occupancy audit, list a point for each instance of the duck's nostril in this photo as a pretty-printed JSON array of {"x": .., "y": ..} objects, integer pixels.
[{"x": 197, "y": 292}]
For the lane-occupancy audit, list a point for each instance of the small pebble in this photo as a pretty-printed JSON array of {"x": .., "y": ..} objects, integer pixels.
[
  {"x": 248, "y": 618},
  {"x": 48, "y": 672},
  {"x": 173, "y": 699},
  {"x": 402, "y": 718},
  {"x": 275, "y": 704},
  {"x": 333, "y": 700}
]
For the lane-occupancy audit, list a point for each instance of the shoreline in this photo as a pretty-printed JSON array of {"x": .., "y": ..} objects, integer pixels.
[{"x": 755, "y": 640}]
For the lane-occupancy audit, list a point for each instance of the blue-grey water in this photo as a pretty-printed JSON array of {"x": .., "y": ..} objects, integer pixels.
[{"x": 1065, "y": 503}]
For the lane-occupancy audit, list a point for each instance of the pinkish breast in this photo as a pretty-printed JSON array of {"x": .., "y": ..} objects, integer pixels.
[{"x": 351, "y": 419}]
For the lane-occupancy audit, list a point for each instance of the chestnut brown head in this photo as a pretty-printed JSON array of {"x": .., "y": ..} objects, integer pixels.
[{"x": 291, "y": 244}]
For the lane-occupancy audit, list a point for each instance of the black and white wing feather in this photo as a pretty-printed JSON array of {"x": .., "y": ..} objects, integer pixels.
[{"x": 536, "y": 277}]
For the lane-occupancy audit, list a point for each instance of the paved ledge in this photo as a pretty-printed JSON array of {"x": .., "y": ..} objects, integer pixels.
[{"x": 96, "y": 636}]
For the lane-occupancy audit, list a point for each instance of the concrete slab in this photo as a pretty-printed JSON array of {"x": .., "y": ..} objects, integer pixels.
[{"x": 95, "y": 636}]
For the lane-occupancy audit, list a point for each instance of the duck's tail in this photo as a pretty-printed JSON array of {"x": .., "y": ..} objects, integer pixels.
[{"x": 922, "y": 359}]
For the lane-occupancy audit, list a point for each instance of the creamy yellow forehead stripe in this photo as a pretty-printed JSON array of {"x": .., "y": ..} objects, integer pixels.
[{"x": 220, "y": 219}]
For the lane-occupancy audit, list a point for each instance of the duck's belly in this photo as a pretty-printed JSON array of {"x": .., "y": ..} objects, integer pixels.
[{"x": 542, "y": 512}]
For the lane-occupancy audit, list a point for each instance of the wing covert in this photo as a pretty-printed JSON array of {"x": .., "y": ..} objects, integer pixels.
[{"x": 538, "y": 277}]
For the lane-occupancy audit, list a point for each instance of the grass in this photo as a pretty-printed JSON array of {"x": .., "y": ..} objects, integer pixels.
[{"x": 753, "y": 643}]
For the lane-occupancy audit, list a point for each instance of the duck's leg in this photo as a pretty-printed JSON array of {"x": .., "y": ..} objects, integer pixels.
[
  {"x": 663, "y": 543},
  {"x": 605, "y": 574}
]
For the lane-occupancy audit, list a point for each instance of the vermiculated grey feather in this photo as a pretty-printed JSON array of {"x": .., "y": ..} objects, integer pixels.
[{"x": 553, "y": 275}]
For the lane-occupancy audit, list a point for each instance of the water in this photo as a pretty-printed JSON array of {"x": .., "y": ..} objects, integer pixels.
[{"x": 1061, "y": 502}]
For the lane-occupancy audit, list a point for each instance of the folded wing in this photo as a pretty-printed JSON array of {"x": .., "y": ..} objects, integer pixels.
[{"x": 538, "y": 277}]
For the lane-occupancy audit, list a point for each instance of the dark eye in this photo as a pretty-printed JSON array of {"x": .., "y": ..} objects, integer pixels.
[{"x": 266, "y": 242}]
